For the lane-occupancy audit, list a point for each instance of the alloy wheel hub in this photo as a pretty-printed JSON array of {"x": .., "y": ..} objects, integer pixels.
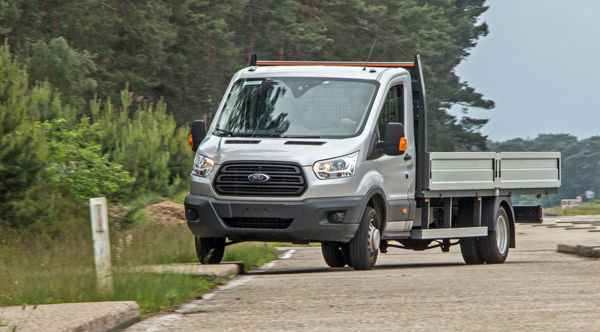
[{"x": 374, "y": 238}]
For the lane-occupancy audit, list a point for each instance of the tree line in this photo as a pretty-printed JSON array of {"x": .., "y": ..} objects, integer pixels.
[
  {"x": 85, "y": 85},
  {"x": 580, "y": 164},
  {"x": 186, "y": 51}
]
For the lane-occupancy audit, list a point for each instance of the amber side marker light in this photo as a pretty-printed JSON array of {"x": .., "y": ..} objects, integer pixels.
[
  {"x": 191, "y": 141},
  {"x": 402, "y": 145}
]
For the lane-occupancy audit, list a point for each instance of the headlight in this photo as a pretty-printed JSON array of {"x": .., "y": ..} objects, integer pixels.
[
  {"x": 340, "y": 167},
  {"x": 202, "y": 166}
]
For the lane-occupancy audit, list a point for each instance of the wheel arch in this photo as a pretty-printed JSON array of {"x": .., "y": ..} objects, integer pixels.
[
  {"x": 489, "y": 214},
  {"x": 507, "y": 205},
  {"x": 375, "y": 199}
]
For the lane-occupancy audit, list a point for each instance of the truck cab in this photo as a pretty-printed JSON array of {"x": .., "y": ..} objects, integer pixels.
[{"x": 332, "y": 153}]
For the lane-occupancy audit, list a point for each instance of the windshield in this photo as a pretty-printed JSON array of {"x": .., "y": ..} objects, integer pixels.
[{"x": 296, "y": 107}]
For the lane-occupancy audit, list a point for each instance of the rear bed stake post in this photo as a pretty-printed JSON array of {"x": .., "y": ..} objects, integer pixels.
[
  {"x": 425, "y": 212},
  {"x": 477, "y": 212}
]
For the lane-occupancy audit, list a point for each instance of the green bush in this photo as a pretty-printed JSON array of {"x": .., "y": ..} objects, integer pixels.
[
  {"x": 76, "y": 162},
  {"x": 149, "y": 144},
  {"x": 68, "y": 158}
]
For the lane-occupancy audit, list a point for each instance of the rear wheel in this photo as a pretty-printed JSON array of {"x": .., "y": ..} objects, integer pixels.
[
  {"x": 494, "y": 247},
  {"x": 210, "y": 250},
  {"x": 363, "y": 248},
  {"x": 470, "y": 251},
  {"x": 333, "y": 255}
]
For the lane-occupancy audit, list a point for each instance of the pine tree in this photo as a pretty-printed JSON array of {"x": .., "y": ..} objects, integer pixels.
[
  {"x": 149, "y": 145},
  {"x": 20, "y": 157},
  {"x": 440, "y": 31},
  {"x": 186, "y": 51}
]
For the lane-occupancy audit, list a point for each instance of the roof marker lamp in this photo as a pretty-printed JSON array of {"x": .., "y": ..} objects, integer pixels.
[
  {"x": 340, "y": 167},
  {"x": 202, "y": 166}
]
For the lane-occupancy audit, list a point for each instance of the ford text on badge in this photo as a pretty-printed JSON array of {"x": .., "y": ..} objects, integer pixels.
[{"x": 258, "y": 177}]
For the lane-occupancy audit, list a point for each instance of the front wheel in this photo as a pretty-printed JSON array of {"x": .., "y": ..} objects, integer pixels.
[
  {"x": 210, "y": 250},
  {"x": 332, "y": 254},
  {"x": 363, "y": 248}
]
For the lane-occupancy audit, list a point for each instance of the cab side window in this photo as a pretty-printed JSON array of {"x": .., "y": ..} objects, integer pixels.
[{"x": 393, "y": 109}]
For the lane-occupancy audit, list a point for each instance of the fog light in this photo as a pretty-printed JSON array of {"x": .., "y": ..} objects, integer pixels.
[
  {"x": 191, "y": 214},
  {"x": 336, "y": 217}
]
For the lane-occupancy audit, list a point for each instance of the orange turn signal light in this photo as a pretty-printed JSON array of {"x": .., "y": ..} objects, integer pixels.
[
  {"x": 402, "y": 145},
  {"x": 191, "y": 141}
]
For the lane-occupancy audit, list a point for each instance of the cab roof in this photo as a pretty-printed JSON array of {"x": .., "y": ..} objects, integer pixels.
[{"x": 343, "y": 70}]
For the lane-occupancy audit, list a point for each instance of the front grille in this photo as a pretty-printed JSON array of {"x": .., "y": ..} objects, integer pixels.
[
  {"x": 264, "y": 223},
  {"x": 285, "y": 179}
]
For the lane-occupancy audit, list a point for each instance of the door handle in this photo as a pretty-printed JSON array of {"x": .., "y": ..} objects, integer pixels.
[{"x": 407, "y": 157}]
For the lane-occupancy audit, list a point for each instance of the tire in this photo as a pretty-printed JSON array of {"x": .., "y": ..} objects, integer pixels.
[
  {"x": 346, "y": 254},
  {"x": 470, "y": 251},
  {"x": 332, "y": 254},
  {"x": 364, "y": 247},
  {"x": 210, "y": 250},
  {"x": 469, "y": 246},
  {"x": 494, "y": 247}
]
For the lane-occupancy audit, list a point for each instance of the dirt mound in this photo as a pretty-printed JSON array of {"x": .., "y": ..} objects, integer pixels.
[
  {"x": 166, "y": 213},
  {"x": 117, "y": 212}
]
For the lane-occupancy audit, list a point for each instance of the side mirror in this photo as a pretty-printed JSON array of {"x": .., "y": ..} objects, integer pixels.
[
  {"x": 394, "y": 142},
  {"x": 197, "y": 134}
]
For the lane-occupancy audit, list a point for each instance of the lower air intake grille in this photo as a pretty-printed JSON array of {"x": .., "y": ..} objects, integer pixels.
[
  {"x": 265, "y": 223},
  {"x": 278, "y": 179}
]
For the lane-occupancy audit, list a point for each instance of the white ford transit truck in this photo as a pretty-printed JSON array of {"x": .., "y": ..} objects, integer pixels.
[{"x": 336, "y": 153}]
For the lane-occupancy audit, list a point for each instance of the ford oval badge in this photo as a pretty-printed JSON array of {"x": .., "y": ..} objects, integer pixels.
[{"x": 258, "y": 177}]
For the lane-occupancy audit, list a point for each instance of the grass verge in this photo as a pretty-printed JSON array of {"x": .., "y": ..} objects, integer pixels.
[
  {"x": 150, "y": 290},
  {"x": 585, "y": 209},
  {"x": 253, "y": 254},
  {"x": 36, "y": 269}
]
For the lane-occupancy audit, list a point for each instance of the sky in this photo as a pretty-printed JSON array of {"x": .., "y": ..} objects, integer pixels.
[{"x": 540, "y": 64}]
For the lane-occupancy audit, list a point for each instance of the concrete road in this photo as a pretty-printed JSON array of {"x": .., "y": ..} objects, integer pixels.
[{"x": 537, "y": 289}]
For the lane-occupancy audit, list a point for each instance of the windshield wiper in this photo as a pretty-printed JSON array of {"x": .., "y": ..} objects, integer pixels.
[
  {"x": 265, "y": 135},
  {"x": 260, "y": 133},
  {"x": 224, "y": 132},
  {"x": 299, "y": 136}
]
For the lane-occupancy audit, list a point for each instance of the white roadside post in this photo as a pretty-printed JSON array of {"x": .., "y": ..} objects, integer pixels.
[{"x": 101, "y": 239}]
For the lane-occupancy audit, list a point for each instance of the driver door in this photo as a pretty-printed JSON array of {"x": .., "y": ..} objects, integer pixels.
[{"x": 398, "y": 171}]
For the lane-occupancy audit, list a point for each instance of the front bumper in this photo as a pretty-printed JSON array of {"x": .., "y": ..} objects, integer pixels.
[{"x": 210, "y": 217}]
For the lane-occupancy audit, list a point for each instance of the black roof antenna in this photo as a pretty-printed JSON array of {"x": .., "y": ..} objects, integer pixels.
[
  {"x": 372, "y": 47},
  {"x": 253, "y": 60}
]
